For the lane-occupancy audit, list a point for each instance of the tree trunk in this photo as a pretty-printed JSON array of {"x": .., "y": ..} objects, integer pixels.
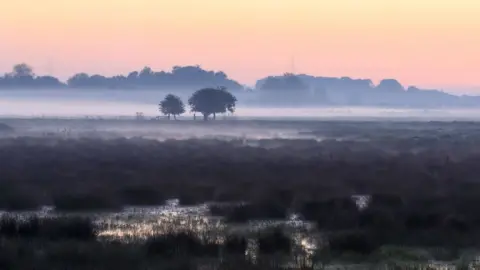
[
  {"x": 175, "y": 116},
  {"x": 205, "y": 117},
  {"x": 168, "y": 116},
  {"x": 214, "y": 116},
  {"x": 194, "y": 117}
]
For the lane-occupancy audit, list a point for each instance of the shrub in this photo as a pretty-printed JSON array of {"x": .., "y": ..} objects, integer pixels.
[
  {"x": 273, "y": 242},
  {"x": 354, "y": 241},
  {"x": 235, "y": 245},
  {"x": 174, "y": 245},
  {"x": 73, "y": 228},
  {"x": 8, "y": 226}
]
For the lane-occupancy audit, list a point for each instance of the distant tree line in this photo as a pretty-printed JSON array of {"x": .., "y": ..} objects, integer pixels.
[
  {"x": 306, "y": 89},
  {"x": 288, "y": 89},
  {"x": 22, "y": 76},
  {"x": 206, "y": 101},
  {"x": 186, "y": 77}
]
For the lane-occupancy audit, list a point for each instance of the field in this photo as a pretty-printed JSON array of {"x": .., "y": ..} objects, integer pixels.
[{"x": 328, "y": 192}]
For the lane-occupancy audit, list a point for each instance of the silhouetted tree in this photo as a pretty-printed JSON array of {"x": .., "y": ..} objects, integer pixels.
[
  {"x": 349, "y": 91},
  {"x": 172, "y": 105},
  {"x": 22, "y": 76},
  {"x": 78, "y": 80},
  {"x": 287, "y": 82},
  {"x": 22, "y": 70},
  {"x": 390, "y": 85},
  {"x": 287, "y": 89},
  {"x": 209, "y": 101},
  {"x": 185, "y": 77}
]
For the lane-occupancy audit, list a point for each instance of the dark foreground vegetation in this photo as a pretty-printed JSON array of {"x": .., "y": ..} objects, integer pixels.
[
  {"x": 70, "y": 243},
  {"x": 422, "y": 189}
]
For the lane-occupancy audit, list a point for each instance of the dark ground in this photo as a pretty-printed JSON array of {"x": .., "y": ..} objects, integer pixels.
[{"x": 422, "y": 177}]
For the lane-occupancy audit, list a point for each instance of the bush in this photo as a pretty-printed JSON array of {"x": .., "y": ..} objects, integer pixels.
[
  {"x": 273, "y": 242},
  {"x": 332, "y": 214},
  {"x": 68, "y": 228},
  {"x": 182, "y": 244},
  {"x": 48, "y": 228},
  {"x": 236, "y": 245},
  {"x": 8, "y": 226},
  {"x": 354, "y": 241}
]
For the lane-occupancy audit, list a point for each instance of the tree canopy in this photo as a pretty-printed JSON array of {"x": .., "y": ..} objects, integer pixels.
[
  {"x": 22, "y": 76},
  {"x": 172, "y": 105},
  {"x": 288, "y": 82},
  {"x": 285, "y": 90},
  {"x": 179, "y": 78},
  {"x": 208, "y": 101}
]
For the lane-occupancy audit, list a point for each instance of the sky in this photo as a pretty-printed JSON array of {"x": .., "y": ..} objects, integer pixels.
[{"x": 431, "y": 43}]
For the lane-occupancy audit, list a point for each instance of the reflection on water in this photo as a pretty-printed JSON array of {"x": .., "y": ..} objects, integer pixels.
[{"x": 140, "y": 223}]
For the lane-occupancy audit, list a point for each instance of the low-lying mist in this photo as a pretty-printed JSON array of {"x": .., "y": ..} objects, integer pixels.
[{"x": 126, "y": 103}]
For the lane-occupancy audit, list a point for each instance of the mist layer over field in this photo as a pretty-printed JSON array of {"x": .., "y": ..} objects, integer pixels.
[{"x": 126, "y": 103}]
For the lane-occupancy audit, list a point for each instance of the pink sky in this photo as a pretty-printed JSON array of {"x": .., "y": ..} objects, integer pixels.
[{"x": 418, "y": 42}]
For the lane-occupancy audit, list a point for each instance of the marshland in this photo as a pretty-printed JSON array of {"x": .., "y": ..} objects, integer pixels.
[{"x": 238, "y": 194}]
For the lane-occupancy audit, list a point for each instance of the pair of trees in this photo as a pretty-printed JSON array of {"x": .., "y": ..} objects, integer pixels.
[{"x": 207, "y": 101}]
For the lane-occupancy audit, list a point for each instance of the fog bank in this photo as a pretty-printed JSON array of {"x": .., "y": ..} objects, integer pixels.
[{"x": 26, "y": 103}]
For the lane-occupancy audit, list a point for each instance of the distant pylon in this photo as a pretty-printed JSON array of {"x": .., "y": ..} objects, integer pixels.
[
  {"x": 49, "y": 67},
  {"x": 293, "y": 65}
]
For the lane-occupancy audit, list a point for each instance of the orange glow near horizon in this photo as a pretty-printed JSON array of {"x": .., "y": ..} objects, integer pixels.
[{"x": 427, "y": 42}]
